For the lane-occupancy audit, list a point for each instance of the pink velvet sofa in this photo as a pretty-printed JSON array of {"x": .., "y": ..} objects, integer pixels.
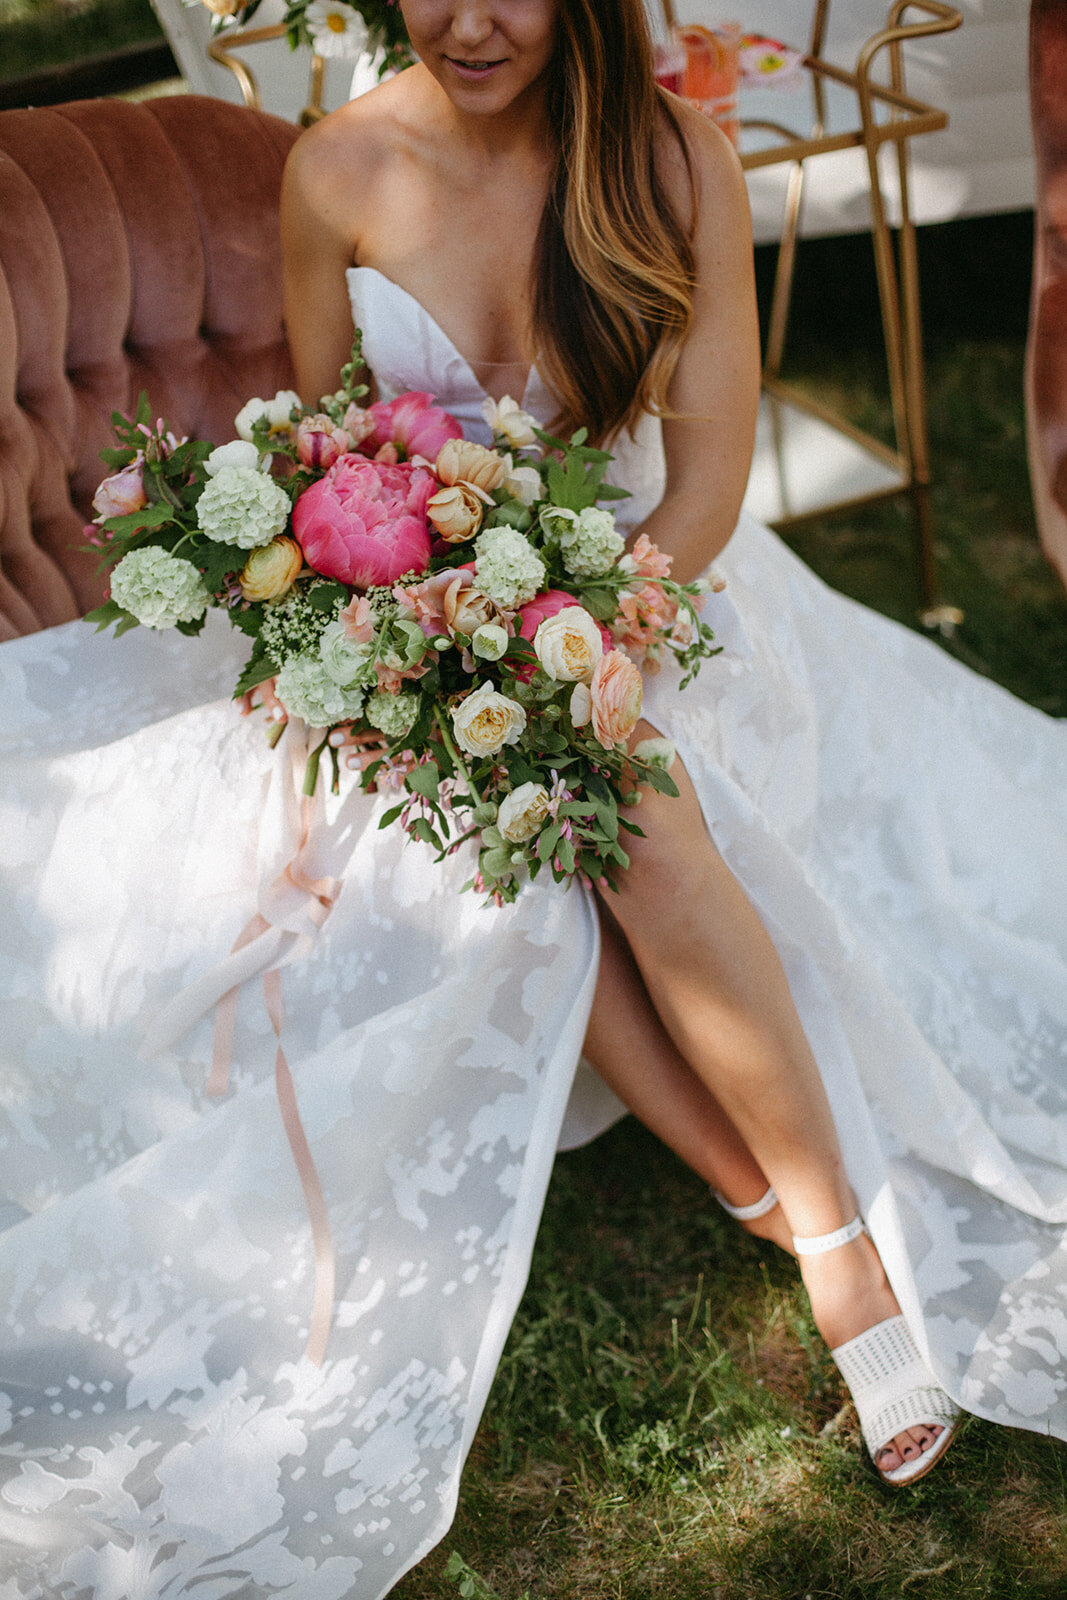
[{"x": 139, "y": 249}]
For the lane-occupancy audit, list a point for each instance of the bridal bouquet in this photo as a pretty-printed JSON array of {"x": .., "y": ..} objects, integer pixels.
[{"x": 465, "y": 618}]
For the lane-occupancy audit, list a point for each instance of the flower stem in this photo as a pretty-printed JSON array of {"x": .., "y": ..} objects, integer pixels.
[{"x": 311, "y": 771}]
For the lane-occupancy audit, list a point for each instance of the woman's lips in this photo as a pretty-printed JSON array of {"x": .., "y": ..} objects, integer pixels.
[{"x": 473, "y": 71}]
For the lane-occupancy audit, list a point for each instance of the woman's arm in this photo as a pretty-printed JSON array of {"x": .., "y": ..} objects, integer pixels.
[
  {"x": 715, "y": 388},
  {"x": 319, "y": 207}
]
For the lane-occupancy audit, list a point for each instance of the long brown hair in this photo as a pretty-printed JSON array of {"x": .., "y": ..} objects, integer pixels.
[{"x": 614, "y": 265}]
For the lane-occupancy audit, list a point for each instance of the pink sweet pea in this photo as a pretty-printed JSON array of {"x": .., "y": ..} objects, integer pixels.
[
  {"x": 364, "y": 523},
  {"x": 319, "y": 442},
  {"x": 411, "y": 423}
]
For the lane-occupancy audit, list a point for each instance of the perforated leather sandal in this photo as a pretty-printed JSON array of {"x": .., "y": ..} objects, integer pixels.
[{"x": 891, "y": 1386}]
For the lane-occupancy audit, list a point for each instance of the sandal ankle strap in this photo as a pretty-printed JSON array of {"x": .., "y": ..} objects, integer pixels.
[
  {"x": 758, "y": 1208},
  {"x": 819, "y": 1243}
]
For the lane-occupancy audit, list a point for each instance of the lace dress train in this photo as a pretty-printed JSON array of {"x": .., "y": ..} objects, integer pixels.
[{"x": 901, "y": 827}]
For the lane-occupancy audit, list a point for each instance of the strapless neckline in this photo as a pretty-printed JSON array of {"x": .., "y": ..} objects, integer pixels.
[{"x": 534, "y": 390}]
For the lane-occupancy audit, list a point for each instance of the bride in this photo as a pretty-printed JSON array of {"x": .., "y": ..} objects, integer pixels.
[{"x": 833, "y": 980}]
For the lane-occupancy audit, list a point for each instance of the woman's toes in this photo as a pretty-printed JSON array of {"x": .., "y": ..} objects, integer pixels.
[{"x": 906, "y": 1447}]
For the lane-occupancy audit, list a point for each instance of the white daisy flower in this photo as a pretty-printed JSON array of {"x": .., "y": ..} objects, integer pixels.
[{"x": 338, "y": 30}]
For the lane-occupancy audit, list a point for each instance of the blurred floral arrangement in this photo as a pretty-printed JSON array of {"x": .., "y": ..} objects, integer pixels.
[{"x": 332, "y": 28}]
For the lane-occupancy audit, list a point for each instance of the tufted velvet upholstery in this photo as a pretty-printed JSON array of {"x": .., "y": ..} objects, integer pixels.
[{"x": 139, "y": 249}]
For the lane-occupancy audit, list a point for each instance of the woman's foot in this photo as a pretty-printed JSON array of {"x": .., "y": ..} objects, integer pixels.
[{"x": 851, "y": 1297}]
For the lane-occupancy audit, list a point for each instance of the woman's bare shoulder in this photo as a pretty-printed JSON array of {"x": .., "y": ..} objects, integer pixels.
[
  {"x": 700, "y": 169},
  {"x": 342, "y": 161}
]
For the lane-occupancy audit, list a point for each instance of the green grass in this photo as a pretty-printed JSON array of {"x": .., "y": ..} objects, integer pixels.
[{"x": 665, "y": 1423}]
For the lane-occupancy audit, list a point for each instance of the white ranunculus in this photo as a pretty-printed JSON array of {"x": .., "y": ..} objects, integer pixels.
[
  {"x": 486, "y": 721},
  {"x": 522, "y": 812},
  {"x": 159, "y": 589},
  {"x": 238, "y": 453},
  {"x": 338, "y": 30},
  {"x": 278, "y": 413},
  {"x": 523, "y": 483},
  {"x": 569, "y": 645}
]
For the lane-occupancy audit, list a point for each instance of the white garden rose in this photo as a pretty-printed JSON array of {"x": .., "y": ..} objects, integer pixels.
[
  {"x": 486, "y": 721},
  {"x": 569, "y": 645},
  {"x": 159, "y": 589},
  {"x": 238, "y": 453},
  {"x": 243, "y": 507},
  {"x": 522, "y": 812}
]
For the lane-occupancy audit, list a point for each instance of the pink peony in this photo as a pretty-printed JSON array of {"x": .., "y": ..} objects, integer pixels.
[
  {"x": 364, "y": 523},
  {"x": 412, "y": 424}
]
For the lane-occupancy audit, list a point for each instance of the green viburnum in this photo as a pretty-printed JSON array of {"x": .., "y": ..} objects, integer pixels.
[
  {"x": 306, "y": 690},
  {"x": 509, "y": 570},
  {"x": 242, "y": 506},
  {"x": 392, "y": 714},
  {"x": 159, "y": 589},
  {"x": 590, "y": 545}
]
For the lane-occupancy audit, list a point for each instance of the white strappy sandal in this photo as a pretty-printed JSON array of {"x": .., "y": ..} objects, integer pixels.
[
  {"x": 758, "y": 1208},
  {"x": 891, "y": 1386}
]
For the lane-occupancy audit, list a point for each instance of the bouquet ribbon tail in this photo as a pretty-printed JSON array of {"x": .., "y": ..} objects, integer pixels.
[{"x": 292, "y": 909}]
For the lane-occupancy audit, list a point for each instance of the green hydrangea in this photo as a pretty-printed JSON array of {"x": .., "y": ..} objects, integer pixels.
[
  {"x": 242, "y": 506},
  {"x": 306, "y": 690},
  {"x": 393, "y": 714},
  {"x": 590, "y": 545},
  {"x": 159, "y": 589},
  {"x": 508, "y": 569}
]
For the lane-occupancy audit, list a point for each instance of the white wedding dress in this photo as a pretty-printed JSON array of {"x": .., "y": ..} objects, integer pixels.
[{"x": 901, "y": 826}]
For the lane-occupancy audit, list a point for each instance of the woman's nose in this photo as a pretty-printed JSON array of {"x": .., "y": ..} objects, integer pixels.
[{"x": 472, "y": 22}]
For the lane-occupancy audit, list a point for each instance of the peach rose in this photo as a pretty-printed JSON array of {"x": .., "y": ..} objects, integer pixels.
[
  {"x": 466, "y": 608},
  {"x": 463, "y": 461},
  {"x": 319, "y": 442},
  {"x": 456, "y": 513},
  {"x": 486, "y": 721},
  {"x": 615, "y": 693},
  {"x": 271, "y": 569}
]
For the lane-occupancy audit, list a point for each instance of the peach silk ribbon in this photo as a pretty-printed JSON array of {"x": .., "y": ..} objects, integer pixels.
[{"x": 292, "y": 908}]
